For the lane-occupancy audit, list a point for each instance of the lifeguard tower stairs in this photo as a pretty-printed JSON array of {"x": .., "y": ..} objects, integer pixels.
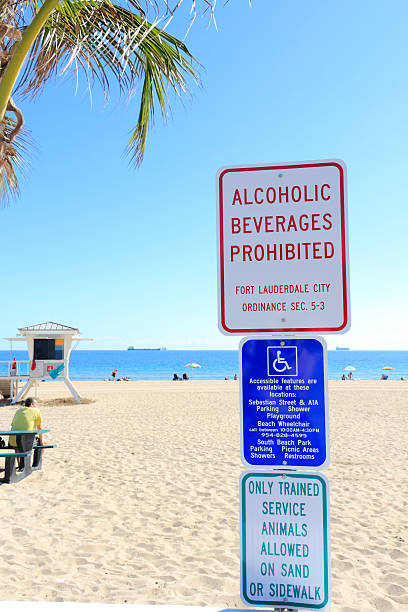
[{"x": 4, "y": 387}]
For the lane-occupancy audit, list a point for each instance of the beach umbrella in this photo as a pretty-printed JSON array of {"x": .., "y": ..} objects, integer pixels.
[
  {"x": 349, "y": 369},
  {"x": 192, "y": 365},
  {"x": 388, "y": 368}
]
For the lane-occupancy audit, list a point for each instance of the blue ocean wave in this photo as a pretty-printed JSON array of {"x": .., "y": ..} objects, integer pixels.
[{"x": 215, "y": 365}]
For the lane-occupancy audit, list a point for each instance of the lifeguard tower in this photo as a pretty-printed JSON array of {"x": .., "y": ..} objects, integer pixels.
[{"x": 49, "y": 348}]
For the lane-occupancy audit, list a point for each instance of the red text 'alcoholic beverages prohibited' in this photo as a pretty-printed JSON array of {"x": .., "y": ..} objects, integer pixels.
[{"x": 283, "y": 248}]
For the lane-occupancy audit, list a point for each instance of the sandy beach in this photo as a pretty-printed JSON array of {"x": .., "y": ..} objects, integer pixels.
[{"x": 139, "y": 503}]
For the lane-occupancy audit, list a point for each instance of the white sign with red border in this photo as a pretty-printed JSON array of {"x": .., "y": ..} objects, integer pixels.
[{"x": 283, "y": 248}]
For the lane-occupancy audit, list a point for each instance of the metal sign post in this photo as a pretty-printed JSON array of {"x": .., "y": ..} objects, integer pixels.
[{"x": 283, "y": 269}]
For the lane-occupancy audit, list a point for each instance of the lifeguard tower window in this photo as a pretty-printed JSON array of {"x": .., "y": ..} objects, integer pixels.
[{"x": 48, "y": 349}]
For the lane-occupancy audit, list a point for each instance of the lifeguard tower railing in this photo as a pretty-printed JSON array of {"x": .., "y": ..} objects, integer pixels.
[
  {"x": 11, "y": 373},
  {"x": 22, "y": 368}
]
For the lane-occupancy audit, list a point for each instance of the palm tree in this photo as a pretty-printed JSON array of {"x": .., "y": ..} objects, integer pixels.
[{"x": 106, "y": 42}]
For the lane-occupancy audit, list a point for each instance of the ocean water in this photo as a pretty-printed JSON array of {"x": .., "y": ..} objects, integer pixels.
[{"x": 215, "y": 365}]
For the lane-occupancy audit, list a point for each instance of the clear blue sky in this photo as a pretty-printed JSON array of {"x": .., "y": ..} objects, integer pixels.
[{"x": 129, "y": 256}]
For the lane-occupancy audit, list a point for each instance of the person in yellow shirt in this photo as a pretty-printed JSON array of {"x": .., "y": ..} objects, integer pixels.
[{"x": 26, "y": 418}]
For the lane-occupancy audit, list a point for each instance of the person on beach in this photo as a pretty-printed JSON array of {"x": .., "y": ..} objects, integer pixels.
[
  {"x": 27, "y": 418},
  {"x": 114, "y": 374},
  {"x": 343, "y": 377},
  {"x": 185, "y": 377},
  {"x": 350, "y": 375}
]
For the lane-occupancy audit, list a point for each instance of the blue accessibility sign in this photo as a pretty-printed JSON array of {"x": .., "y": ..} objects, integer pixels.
[{"x": 284, "y": 407}]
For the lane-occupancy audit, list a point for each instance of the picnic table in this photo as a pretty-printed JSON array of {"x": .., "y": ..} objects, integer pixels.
[{"x": 28, "y": 447}]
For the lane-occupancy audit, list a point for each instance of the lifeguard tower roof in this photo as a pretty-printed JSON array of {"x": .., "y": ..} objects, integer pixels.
[{"x": 50, "y": 326}]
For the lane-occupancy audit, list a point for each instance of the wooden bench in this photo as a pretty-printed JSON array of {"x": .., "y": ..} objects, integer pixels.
[{"x": 27, "y": 439}]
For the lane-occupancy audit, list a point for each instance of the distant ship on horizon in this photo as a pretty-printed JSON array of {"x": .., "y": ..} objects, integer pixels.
[
  {"x": 160, "y": 348},
  {"x": 342, "y": 348}
]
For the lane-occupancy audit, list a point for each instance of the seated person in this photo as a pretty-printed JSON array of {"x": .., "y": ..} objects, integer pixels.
[
  {"x": 185, "y": 377},
  {"x": 27, "y": 418},
  {"x": 175, "y": 377}
]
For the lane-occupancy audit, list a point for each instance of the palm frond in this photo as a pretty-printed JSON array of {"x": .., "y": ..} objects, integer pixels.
[
  {"x": 15, "y": 167},
  {"x": 109, "y": 43}
]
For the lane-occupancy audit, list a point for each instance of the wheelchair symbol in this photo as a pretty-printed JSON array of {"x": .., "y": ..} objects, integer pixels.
[
  {"x": 280, "y": 364},
  {"x": 282, "y": 361}
]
